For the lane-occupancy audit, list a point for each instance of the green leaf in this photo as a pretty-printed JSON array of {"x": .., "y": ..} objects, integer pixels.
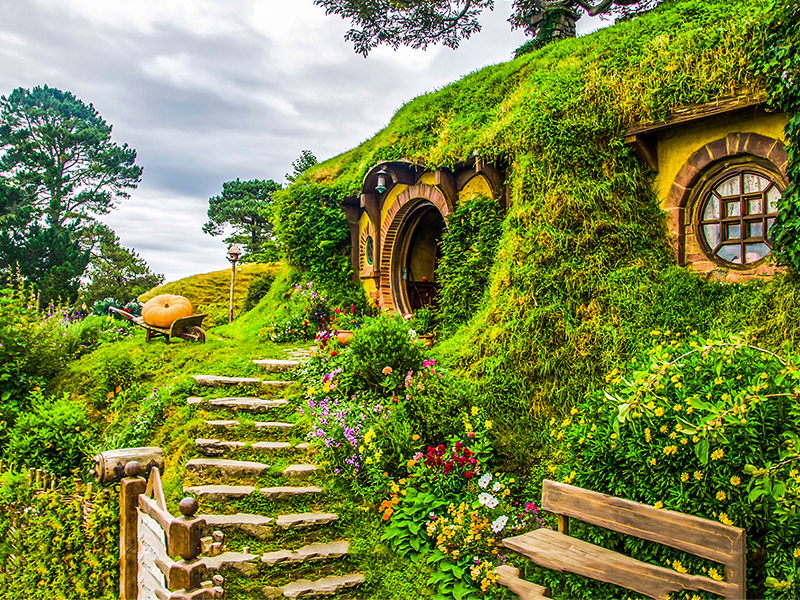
[
  {"x": 701, "y": 450},
  {"x": 755, "y": 494}
]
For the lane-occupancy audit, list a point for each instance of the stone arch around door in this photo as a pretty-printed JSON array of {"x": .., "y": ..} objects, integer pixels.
[{"x": 405, "y": 202}]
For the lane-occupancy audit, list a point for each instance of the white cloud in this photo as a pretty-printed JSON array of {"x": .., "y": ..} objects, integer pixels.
[{"x": 207, "y": 91}]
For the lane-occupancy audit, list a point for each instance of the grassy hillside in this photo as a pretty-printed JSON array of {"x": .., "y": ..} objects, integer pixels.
[{"x": 209, "y": 292}]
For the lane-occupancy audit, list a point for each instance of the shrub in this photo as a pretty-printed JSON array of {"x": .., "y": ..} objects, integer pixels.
[
  {"x": 52, "y": 434},
  {"x": 142, "y": 423},
  {"x": 679, "y": 430},
  {"x": 468, "y": 248},
  {"x": 256, "y": 290},
  {"x": 384, "y": 343}
]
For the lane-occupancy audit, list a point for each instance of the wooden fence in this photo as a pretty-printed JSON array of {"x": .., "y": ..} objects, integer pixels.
[{"x": 149, "y": 536}]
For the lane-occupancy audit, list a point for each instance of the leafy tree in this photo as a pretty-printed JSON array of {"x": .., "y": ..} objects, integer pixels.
[
  {"x": 52, "y": 256},
  {"x": 59, "y": 150},
  {"x": 245, "y": 206},
  {"x": 302, "y": 164},
  {"x": 58, "y": 169},
  {"x": 417, "y": 23},
  {"x": 115, "y": 271}
]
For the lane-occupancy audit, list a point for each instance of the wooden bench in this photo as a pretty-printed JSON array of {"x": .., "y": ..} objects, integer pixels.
[{"x": 558, "y": 551}]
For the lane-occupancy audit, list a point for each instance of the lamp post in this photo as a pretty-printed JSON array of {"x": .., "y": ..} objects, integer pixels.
[{"x": 234, "y": 252}]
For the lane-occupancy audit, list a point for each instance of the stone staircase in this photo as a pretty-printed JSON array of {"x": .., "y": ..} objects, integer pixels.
[{"x": 265, "y": 520}]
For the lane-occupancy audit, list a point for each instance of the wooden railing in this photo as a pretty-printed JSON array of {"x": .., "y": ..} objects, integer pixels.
[{"x": 150, "y": 536}]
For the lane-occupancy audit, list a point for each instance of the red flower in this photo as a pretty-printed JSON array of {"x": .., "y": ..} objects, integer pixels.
[
  {"x": 333, "y": 352},
  {"x": 468, "y": 474}
]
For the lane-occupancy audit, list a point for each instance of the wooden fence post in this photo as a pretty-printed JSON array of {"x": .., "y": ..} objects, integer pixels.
[{"x": 130, "y": 489}]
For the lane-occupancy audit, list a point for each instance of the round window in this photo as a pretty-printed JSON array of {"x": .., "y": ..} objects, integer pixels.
[
  {"x": 737, "y": 211},
  {"x": 369, "y": 250}
]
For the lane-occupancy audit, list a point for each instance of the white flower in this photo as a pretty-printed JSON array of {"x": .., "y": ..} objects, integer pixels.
[
  {"x": 484, "y": 481},
  {"x": 499, "y": 523},
  {"x": 487, "y": 500},
  {"x": 497, "y": 486},
  {"x": 412, "y": 335}
]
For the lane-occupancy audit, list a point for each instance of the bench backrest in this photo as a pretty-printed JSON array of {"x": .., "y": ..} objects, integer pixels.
[{"x": 693, "y": 535}]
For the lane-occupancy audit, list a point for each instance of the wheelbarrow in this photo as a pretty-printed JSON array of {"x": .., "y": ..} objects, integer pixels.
[{"x": 186, "y": 328}]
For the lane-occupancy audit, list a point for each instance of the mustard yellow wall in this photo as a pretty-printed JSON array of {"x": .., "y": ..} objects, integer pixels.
[
  {"x": 389, "y": 200},
  {"x": 363, "y": 223},
  {"x": 427, "y": 178},
  {"x": 477, "y": 186},
  {"x": 678, "y": 144}
]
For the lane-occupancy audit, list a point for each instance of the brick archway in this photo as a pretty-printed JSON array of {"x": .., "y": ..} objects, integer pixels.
[
  {"x": 735, "y": 148},
  {"x": 390, "y": 228}
]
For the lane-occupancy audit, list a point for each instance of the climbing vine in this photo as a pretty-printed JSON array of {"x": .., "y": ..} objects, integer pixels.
[{"x": 782, "y": 67}]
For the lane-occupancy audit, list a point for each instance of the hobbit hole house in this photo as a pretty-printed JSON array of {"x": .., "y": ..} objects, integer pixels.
[
  {"x": 396, "y": 226},
  {"x": 719, "y": 171}
]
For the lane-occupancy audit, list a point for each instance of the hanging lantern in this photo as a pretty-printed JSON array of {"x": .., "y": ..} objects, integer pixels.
[{"x": 381, "y": 187}]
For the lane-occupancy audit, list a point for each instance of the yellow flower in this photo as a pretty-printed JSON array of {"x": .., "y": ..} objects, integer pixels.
[
  {"x": 698, "y": 475},
  {"x": 684, "y": 477},
  {"x": 414, "y": 437},
  {"x": 668, "y": 450},
  {"x": 663, "y": 429},
  {"x": 410, "y": 463},
  {"x": 796, "y": 553},
  {"x": 403, "y": 482},
  {"x": 574, "y": 411},
  {"x": 652, "y": 462},
  {"x": 658, "y": 505},
  {"x": 678, "y": 566},
  {"x": 474, "y": 411},
  {"x": 311, "y": 391},
  {"x": 647, "y": 435},
  {"x": 721, "y": 496},
  {"x": 713, "y": 573},
  {"x": 659, "y": 412},
  {"x": 677, "y": 408},
  {"x": 717, "y": 454},
  {"x": 394, "y": 487},
  {"x": 725, "y": 520},
  {"x": 735, "y": 481},
  {"x": 326, "y": 388},
  {"x": 613, "y": 436}
]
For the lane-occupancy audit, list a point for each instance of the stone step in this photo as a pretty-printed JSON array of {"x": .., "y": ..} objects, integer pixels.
[
  {"x": 243, "y": 404},
  {"x": 305, "y": 588},
  {"x": 305, "y": 520},
  {"x": 277, "y": 365},
  {"x": 299, "y": 471},
  {"x": 215, "y": 447},
  {"x": 287, "y": 491},
  {"x": 259, "y": 425},
  {"x": 228, "y": 468},
  {"x": 226, "y": 493},
  {"x": 219, "y": 380},
  {"x": 256, "y": 525},
  {"x": 219, "y": 493},
  {"x": 243, "y": 562},
  {"x": 312, "y": 552},
  {"x": 276, "y": 385}
]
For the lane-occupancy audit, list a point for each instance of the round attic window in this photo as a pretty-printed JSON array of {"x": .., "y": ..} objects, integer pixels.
[
  {"x": 736, "y": 212},
  {"x": 369, "y": 250}
]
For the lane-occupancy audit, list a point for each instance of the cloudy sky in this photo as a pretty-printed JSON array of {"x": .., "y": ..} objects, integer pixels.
[{"x": 210, "y": 90}]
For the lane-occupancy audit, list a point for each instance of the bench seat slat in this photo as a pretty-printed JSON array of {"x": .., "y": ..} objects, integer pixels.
[{"x": 560, "y": 552}]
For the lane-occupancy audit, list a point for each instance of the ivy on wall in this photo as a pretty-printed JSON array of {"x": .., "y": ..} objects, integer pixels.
[{"x": 781, "y": 65}]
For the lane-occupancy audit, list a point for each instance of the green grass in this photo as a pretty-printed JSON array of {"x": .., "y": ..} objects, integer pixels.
[{"x": 210, "y": 292}]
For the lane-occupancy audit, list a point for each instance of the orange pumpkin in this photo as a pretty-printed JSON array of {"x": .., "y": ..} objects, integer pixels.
[{"x": 163, "y": 310}]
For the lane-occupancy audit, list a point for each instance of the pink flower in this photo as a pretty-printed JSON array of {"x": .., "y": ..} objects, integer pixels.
[
  {"x": 408, "y": 316},
  {"x": 471, "y": 434},
  {"x": 386, "y": 370}
]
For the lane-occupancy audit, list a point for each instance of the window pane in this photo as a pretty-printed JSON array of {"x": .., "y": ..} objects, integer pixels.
[
  {"x": 734, "y": 232},
  {"x": 731, "y": 253},
  {"x": 754, "y": 252},
  {"x": 754, "y": 183},
  {"x": 733, "y": 209},
  {"x": 773, "y": 195},
  {"x": 712, "y": 235},
  {"x": 755, "y": 229},
  {"x": 770, "y": 223},
  {"x": 729, "y": 187},
  {"x": 712, "y": 209},
  {"x": 754, "y": 206}
]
